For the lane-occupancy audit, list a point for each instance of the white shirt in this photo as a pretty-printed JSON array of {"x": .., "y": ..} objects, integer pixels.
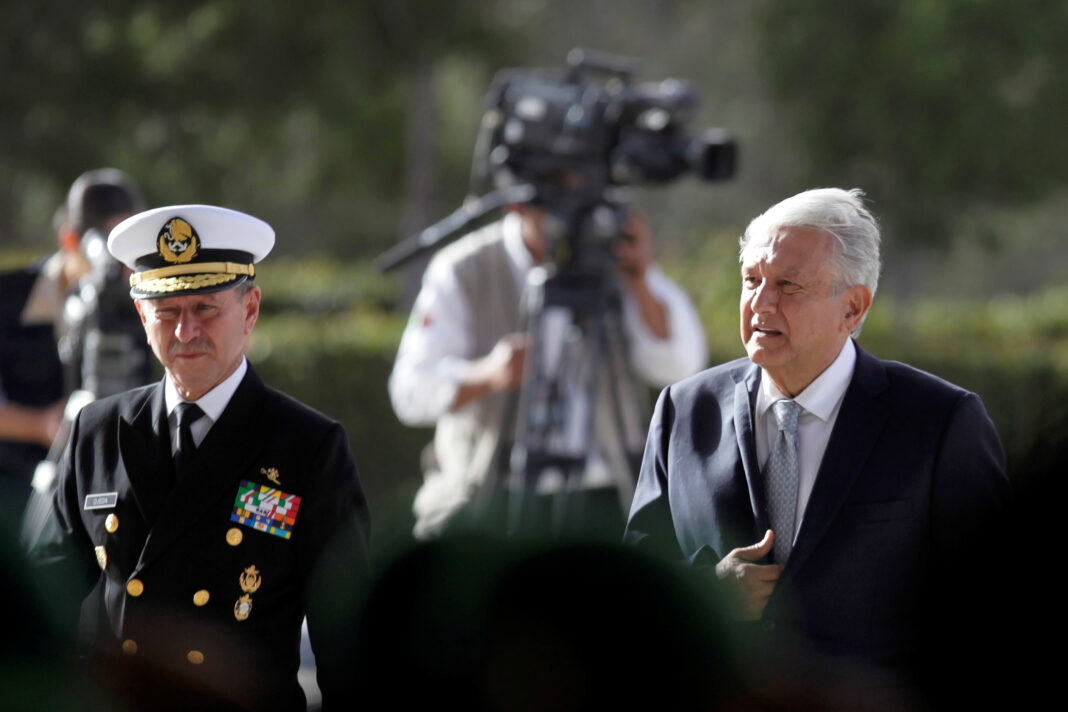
[
  {"x": 820, "y": 403},
  {"x": 213, "y": 403},
  {"x": 435, "y": 350}
]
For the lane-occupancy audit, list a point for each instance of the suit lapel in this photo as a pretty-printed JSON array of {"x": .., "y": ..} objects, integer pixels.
[
  {"x": 744, "y": 394},
  {"x": 145, "y": 447},
  {"x": 856, "y": 431},
  {"x": 217, "y": 466}
]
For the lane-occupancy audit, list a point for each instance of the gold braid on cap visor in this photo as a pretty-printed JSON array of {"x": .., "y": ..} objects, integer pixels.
[{"x": 204, "y": 274}]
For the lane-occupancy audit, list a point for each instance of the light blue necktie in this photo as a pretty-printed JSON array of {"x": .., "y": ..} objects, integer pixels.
[{"x": 780, "y": 478}]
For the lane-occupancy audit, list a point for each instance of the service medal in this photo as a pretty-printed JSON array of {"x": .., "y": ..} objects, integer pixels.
[{"x": 243, "y": 607}]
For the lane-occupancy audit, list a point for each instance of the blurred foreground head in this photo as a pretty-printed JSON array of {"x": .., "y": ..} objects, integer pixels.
[{"x": 494, "y": 625}]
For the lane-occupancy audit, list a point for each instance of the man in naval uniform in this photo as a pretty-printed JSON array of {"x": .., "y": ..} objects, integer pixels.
[{"x": 203, "y": 517}]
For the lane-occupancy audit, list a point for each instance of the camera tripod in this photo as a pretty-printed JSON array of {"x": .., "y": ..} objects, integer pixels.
[{"x": 581, "y": 414}]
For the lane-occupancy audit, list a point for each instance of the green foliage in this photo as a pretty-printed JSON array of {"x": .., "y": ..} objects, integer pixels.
[
  {"x": 339, "y": 363},
  {"x": 16, "y": 259},
  {"x": 935, "y": 107},
  {"x": 319, "y": 284},
  {"x": 293, "y": 113}
]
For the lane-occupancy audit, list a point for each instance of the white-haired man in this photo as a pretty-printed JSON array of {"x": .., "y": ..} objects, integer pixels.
[{"x": 826, "y": 487}]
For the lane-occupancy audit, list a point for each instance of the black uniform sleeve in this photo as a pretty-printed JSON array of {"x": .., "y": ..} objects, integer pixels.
[{"x": 335, "y": 550}]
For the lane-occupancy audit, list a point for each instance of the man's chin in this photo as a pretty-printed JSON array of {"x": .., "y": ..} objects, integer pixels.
[
  {"x": 759, "y": 354},
  {"x": 768, "y": 357},
  {"x": 189, "y": 388}
]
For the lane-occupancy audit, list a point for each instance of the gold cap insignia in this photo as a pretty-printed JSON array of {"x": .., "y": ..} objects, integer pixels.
[
  {"x": 178, "y": 242},
  {"x": 250, "y": 580},
  {"x": 243, "y": 607}
]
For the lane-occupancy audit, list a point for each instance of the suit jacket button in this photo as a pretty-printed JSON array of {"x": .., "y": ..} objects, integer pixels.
[
  {"x": 135, "y": 588},
  {"x": 111, "y": 524},
  {"x": 129, "y": 647},
  {"x": 201, "y": 597},
  {"x": 195, "y": 656}
]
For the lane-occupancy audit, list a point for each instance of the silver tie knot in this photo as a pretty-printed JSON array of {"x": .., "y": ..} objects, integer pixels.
[{"x": 786, "y": 414}]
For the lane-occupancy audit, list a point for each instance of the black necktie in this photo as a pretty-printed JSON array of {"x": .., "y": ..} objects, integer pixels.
[{"x": 187, "y": 413}]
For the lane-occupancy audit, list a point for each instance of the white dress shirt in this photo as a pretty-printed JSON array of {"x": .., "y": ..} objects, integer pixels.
[
  {"x": 436, "y": 348},
  {"x": 820, "y": 403},
  {"x": 213, "y": 403}
]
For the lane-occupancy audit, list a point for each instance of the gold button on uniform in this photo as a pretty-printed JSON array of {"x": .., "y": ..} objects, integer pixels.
[
  {"x": 135, "y": 588},
  {"x": 195, "y": 656},
  {"x": 129, "y": 647},
  {"x": 234, "y": 536},
  {"x": 111, "y": 523},
  {"x": 102, "y": 557},
  {"x": 201, "y": 597}
]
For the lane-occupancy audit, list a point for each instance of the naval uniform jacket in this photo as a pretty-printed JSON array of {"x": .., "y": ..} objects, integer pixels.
[
  {"x": 912, "y": 474},
  {"x": 180, "y": 590}
]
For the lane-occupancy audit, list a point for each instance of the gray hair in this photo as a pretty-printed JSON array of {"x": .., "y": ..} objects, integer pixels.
[{"x": 842, "y": 215}]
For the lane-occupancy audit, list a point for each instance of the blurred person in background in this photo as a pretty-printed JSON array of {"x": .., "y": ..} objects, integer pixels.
[
  {"x": 461, "y": 363},
  {"x": 45, "y": 322}
]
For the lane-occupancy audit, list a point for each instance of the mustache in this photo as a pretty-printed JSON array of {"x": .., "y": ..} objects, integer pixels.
[{"x": 196, "y": 346}]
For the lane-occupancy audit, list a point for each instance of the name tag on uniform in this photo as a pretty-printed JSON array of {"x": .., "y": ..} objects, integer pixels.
[{"x": 102, "y": 500}]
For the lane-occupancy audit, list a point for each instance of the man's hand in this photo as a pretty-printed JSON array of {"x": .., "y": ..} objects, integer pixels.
[
  {"x": 750, "y": 584},
  {"x": 503, "y": 366},
  {"x": 633, "y": 256},
  {"x": 31, "y": 425},
  {"x": 499, "y": 371}
]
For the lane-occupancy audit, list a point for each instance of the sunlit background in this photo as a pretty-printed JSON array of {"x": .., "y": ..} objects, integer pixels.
[{"x": 352, "y": 125}]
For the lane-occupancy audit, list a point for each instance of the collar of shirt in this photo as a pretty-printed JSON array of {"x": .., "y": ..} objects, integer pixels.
[
  {"x": 823, "y": 395},
  {"x": 821, "y": 402},
  {"x": 213, "y": 403}
]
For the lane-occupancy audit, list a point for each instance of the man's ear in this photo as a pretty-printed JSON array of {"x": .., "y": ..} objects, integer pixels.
[
  {"x": 858, "y": 302},
  {"x": 252, "y": 308}
]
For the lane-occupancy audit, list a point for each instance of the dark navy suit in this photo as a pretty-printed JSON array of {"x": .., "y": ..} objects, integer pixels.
[{"x": 912, "y": 474}]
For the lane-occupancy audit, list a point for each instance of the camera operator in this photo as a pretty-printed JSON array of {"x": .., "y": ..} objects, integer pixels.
[
  {"x": 460, "y": 361},
  {"x": 44, "y": 322}
]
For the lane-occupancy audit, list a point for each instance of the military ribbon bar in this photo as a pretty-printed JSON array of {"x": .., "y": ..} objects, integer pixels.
[{"x": 265, "y": 509}]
